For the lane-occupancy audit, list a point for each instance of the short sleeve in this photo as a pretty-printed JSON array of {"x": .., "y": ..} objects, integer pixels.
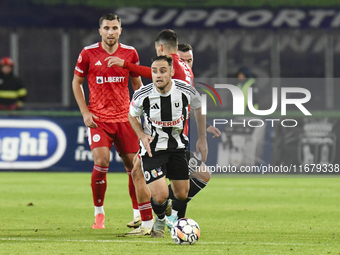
[
  {"x": 82, "y": 64},
  {"x": 196, "y": 100},
  {"x": 136, "y": 108}
]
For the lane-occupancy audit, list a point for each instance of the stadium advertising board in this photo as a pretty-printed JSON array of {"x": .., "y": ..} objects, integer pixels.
[
  {"x": 134, "y": 17},
  {"x": 49, "y": 144},
  {"x": 30, "y": 144}
]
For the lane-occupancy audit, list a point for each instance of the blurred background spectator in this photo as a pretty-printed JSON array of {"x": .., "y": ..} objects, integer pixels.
[
  {"x": 12, "y": 91},
  {"x": 246, "y": 81}
]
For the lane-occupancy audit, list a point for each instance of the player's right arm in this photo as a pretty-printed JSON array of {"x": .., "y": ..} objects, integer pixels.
[
  {"x": 77, "y": 86},
  {"x": 143, "y": 71},
  {"x": 137, "y": 127},
  {"x": 134, "y": 118}
]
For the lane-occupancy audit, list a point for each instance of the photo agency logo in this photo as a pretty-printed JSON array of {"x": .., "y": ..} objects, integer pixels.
[{"x": 238, "y": 106}]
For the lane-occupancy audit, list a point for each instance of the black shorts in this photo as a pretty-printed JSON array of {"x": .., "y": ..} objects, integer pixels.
[
  {"x": 193, "y": 162},
  {"x": 173, "y": 165}
]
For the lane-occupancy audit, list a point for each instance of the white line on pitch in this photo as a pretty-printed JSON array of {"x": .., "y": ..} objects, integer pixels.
[{"x": 126, "y": 240}]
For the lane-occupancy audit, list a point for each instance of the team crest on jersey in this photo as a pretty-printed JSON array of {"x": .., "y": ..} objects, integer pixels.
[
  {"x": 100, "y": 79},
  {"x": 80, "y": 58},
  {"x": 154, "y": 173},
  {"x": 96, "y": 138},
  {"x": 147, "y": 176}
]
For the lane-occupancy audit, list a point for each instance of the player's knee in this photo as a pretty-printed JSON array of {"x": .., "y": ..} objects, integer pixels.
[
  {"x": 160, "y": 198},
  {"x": 181, "y": 194},
  {"x": 137, "y": 173},
  {"x": 205, "y": 179},
  {"x": 205, "y": 176},
  {"x": 102, "y": 161},
  {"x": 203, "y": 173}
]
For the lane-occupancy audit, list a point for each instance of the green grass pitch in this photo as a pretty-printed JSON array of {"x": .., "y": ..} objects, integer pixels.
[{"x": 52, "y": 213}]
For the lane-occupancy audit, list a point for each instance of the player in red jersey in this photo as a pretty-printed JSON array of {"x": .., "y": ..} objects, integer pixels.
[{"x": 106, "y": 116}]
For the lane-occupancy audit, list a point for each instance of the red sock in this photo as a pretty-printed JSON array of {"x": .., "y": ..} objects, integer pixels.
[
  {"x": 132, "y": 192},
  {"x": 99, "y": 184},
  {"x": 145, "y": 210}
]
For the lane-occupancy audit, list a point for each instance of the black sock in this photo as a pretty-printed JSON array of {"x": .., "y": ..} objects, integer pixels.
[
  {"x": 171, "y": 193},
  {"x": 181, "y": 205},
  {"x": 159, "y": 209},
  {"x": 182, "y": 211}
]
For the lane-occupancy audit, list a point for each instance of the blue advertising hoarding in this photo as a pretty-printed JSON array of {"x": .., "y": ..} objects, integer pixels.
[{"x": 49, "y": 144}]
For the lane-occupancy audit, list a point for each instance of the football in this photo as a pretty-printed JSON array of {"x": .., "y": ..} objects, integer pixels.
[{"x": 185, "y": 231}]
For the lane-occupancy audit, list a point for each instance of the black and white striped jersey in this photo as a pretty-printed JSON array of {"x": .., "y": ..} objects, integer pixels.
[{"x": 165, "y": 115}]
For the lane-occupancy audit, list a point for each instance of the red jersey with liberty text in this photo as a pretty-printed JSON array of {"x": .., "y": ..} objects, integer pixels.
[{"x": 108, "y": 86}]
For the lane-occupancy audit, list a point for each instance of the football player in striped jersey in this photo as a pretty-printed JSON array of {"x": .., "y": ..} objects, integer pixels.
[{"x": 165, "y": 106}]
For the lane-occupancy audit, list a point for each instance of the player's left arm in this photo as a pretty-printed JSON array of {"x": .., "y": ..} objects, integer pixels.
[
  {"x": 136, "y": 82},
  {"x": 210, "y": 129},
  {"x": 196, "y": 104}
]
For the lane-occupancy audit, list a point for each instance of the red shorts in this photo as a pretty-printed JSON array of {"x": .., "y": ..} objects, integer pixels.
[{"x": 120, "y": 134}]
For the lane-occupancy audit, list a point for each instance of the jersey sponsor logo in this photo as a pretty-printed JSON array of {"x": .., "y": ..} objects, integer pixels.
[
  {"x": 96, "y": 138},
  {"x": 100, "y": 79},
  {"x": 98, "y": 63},
  {"x": 114, "y": 79},
  {"x": 30, "y": 144},
  {"x": 168, "y": 123},
  {"x": 155, "y": 106},
  {"x": 79, "y": 70}
]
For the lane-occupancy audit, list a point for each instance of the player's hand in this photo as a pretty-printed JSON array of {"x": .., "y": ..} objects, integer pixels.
[
  {"x": 88, "y": 120},
  {"x": 202, "y": 146},
  {"x": 214, "y": 130},
  {"x": 115, "y": 61},
  {"x": 146, "y": 139}
]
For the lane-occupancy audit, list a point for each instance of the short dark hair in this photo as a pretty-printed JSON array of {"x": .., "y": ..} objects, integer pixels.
[
  {"x": 167, "y": 36},
  {"x": 109, "y": 16},
  {"x": 184, "y": 47},
  {"x": 164, "y": 57}
]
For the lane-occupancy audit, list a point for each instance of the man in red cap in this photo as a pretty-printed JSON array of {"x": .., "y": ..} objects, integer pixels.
[{"x": 12, "y": 92}]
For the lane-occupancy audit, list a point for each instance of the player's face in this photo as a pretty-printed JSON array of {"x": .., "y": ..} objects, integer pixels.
[
  {"x": 161, "y": 75},
  {"x": 110, "y": 31},
  {"x": 187, "y": 57}
]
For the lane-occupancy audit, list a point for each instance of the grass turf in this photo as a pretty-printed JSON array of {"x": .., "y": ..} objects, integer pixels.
[{"x": 52, "y": 213}]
